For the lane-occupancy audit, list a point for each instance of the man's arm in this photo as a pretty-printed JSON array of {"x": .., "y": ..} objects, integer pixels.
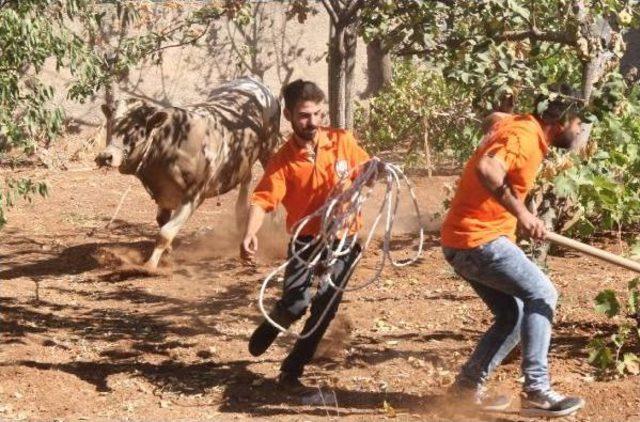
[
  {"x": 493, "y": 176},
  {"x": 267, "y": 195},
  {"x": 360, "y": 160},
  {"x": 249, "y": 245}
]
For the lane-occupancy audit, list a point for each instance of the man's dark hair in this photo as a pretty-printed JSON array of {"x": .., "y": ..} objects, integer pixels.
[
  {"x": 300, "y": 90},
  {"x": 561, "y": 105}
]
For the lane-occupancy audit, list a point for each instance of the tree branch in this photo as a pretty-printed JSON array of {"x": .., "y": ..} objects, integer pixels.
[
  {"x": 335, "y": 5},
  {"x": 414, "y": 51},
  {"x": 329, "y": 6},
  {"x": 183, "y": 43},
  {"x": 535, "y": 34},
  {"x": 352, "y": 10}
]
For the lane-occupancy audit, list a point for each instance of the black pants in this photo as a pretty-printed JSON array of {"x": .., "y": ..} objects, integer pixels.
[{"x": 296, "y": 297}]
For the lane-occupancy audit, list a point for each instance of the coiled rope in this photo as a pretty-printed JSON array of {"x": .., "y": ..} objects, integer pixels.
[{"x": 337, "y": 217}]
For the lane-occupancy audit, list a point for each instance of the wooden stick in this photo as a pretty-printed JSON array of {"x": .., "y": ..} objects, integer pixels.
[
  {"x": 595, "y": 252},
  {"x": 115, "y": 214}
]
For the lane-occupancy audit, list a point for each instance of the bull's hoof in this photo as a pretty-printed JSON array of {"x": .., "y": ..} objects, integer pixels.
[
  {"x": 129, "y": 271},
  {"x": 150, "y": 266}
]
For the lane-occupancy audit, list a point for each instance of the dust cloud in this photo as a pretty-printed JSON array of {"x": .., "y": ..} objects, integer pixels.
[
  {"x": 223, "y": 240},
  {"x": 127, "y": 262},
  {"x": 336, "y": 339}
]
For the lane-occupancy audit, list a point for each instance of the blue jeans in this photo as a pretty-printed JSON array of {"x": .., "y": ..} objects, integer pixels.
[{"x": 522, "y": 300}]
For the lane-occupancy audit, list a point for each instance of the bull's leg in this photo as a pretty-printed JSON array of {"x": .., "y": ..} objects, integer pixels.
[
  {"x": 242, "y": 204},
  {"x": 163, "y": 216},
  {"x": 169, "y": 231}
]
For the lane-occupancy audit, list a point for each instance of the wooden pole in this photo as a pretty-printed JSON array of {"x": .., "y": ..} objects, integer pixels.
[
  {"x": 427, "y": 149},
  {"x": 595, "y": 252}
]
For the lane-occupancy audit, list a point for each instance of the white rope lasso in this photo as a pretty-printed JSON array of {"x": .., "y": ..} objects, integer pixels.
[{"x": 338, "y": 215}]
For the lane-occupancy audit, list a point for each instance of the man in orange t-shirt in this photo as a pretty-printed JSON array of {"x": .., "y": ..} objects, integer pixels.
[
  {"x": 478, "y": 237},
  {"x": 301, "y": 176}
]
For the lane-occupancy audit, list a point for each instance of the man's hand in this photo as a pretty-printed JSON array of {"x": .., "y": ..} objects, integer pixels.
[
  {"x": 249, "y": 247},
  {"x": 532, "y": 226},
  {"x": 493, "y": 176},
  {"x": 377, "y": 163},
  {"x": 380, "y": 168}
]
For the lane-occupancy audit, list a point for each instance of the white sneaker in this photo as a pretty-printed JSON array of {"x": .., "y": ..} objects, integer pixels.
[{"x": 549, "y": 404}]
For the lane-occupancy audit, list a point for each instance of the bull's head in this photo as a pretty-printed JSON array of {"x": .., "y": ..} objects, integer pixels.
[{"x": 132, "y": 123}]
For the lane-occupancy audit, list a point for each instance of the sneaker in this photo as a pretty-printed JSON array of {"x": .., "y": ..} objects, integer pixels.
[
  {"x": 549, "y": 404},
  {"x": 480, "y": 399},
  {"x": 291, "y": 384},
  {"x": 308, "y": 396},
  {"x": 266, "y": 333}
]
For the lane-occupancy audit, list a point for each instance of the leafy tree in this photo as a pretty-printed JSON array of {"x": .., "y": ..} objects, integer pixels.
[
  {"x": 31, "y": 32},
  {"x": 417, "y": 114},
  {"x": 497, "y": 46},
  {"x": 515, "y": 49},
  {"x": 99, "y": 43}
]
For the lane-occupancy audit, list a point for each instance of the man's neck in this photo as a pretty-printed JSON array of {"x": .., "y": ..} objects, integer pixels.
[
  {"x": 547, "y": 129},
  {"x": 304, "y": 143}
]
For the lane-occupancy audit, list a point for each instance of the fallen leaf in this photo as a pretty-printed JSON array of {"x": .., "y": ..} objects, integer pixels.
[{"x": 389, "y": 410}]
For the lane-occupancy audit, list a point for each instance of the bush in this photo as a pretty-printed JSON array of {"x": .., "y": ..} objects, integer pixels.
[
  {"x": 613, "y": 355},
  {"x": 604, "y": 179},
  {"x": 419, "y": 98}
]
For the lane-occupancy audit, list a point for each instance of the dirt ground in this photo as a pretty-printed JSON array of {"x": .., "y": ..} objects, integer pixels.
[{"x": 81, "y": 339}]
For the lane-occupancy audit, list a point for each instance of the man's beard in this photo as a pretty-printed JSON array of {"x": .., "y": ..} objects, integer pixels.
[
  {"x": 565, "y": 140},
  {"x": 306, "y": 134}
]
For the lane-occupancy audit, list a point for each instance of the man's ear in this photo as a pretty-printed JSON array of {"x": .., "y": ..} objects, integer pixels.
[
  {"x": 287, "y": 114},
  {"x": 157, "y": 119}
]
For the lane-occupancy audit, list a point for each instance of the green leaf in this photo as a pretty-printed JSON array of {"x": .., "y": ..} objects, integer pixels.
[
  {"x": 607, "y": 303},
  {"x": 631, "y": 363},
  {"x": 600, "y": 355},
  {"x": 634, "y": 297}
]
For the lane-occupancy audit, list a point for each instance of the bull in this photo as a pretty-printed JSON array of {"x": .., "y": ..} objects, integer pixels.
[{"x": 184, "y": 155}]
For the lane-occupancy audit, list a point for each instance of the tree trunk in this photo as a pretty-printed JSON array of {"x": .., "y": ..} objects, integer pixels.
[
  {"x": 379, "y": 68},
  {"x": 110, "y": 105},
  {"x": 593, "y": 70},
  {"x": 336, "y": 76},
  {"x": 351, "y": 46},
  {"x": 427, "y": 149},
  {"x": 631, "y": 56}
]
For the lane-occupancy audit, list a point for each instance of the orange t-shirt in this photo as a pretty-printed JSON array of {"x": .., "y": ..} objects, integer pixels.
[
  {"x": 475, "y": 216},
  {"x": 302, "y": 184}
]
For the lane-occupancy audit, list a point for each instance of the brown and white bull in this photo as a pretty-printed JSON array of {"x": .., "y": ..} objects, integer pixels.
[{"x": 184, "y": 155}]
